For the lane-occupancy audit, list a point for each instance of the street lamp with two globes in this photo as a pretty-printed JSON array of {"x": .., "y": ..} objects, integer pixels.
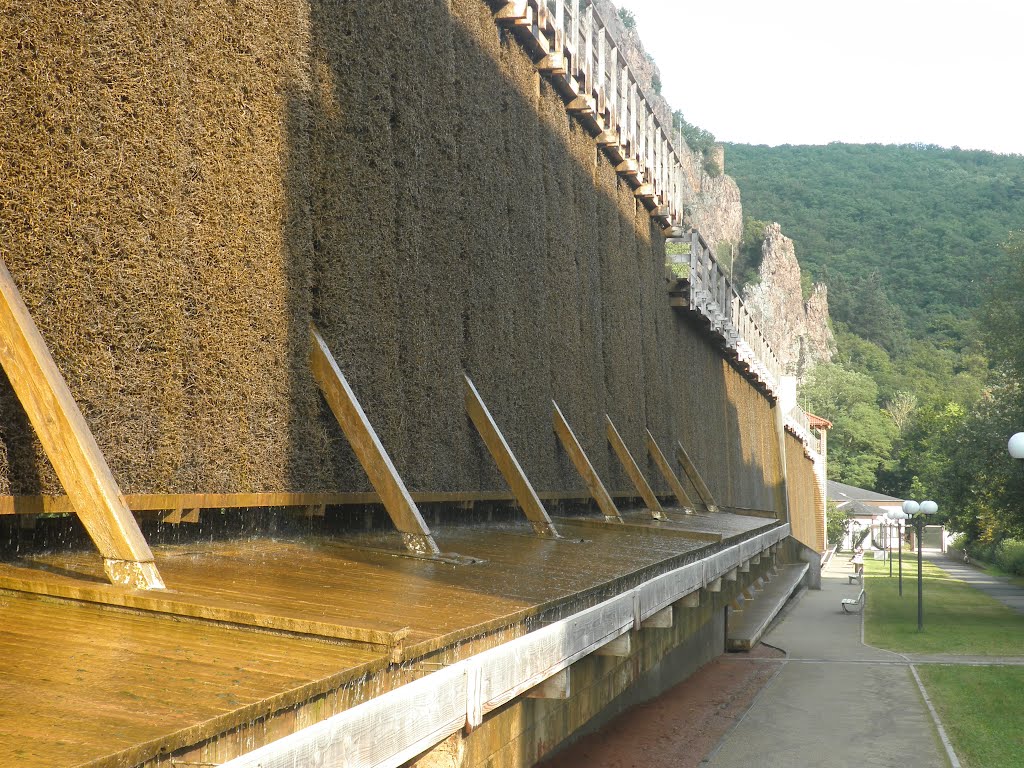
[
  {"x": 898, "y": 518},
  {"x": 918, "y": 514}
]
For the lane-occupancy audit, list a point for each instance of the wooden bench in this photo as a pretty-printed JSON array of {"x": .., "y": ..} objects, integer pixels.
[{"x": 854, "y": 606}]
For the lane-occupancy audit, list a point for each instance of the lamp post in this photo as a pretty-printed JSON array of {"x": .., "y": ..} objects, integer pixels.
[
  {"x": 898, "y": 518},
  {"x": 887, "y": 542},
  {"x": 919, "y": 513}
]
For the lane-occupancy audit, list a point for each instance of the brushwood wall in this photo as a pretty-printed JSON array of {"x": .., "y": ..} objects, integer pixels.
[
  {"x": 806, "y": 505},
  {"x": 185, "y": 187}
]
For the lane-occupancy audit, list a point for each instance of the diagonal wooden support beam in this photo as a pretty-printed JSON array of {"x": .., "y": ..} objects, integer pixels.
[
  {"x": 507, "y": 464},
  {"x": 668, "y": 474},
  {"x": 695, "y": 478},
  {"x": 639, "y": 481},
  {"x": 70, "y": 446},
  {"x": 584, "y": 467},
  {"x": 368, "y": 449}
]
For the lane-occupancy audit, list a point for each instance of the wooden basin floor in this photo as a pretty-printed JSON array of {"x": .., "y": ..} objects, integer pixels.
[{"x": 93, "y": 674}]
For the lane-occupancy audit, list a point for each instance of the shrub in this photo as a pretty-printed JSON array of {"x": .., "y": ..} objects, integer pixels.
[{"x": 1009, "y": 556}]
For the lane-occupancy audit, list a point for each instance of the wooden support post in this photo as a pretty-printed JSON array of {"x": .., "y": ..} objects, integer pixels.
[
  {"x": 660, "y": 620},
  {"x": 588, "y": 53},
  {"x": 642, "y": 487},
  {"x": 507, "y": 464},
  {"x": 715, "y": 585},
  {"x": 755, "y": 560},
  {"x": 691, "y": 600},
  {"x": 745, "y": 566},
  {"x": 70, "y": 446},
  {"x": 619, "y": 647},
  {"x": 731, "y": 575},
  {"x": 368, "y": 449},
  {"x": 555, "y": 687},
  {"x": 781, "y": 484},
  {"x": 695, "y": 478},
  {"x": 668, "y": 474},
  {"x": 584, "y": 467}
]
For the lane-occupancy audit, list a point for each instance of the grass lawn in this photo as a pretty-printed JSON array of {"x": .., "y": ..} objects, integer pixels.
[
  {"x": 958, "y": 619},
  {"x": 982, "y": 710}
]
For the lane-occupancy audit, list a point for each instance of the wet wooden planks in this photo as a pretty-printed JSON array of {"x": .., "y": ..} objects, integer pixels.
[
  {"x": 318, "y": 584},
  {"x": 80, "y": 682},
  {"x": 110, "y": 679}
]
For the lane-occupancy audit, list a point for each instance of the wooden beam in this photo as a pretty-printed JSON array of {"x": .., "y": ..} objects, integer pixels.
[
  {"x": 70, "y": 446},
  {"x": 715, "y": 585},
  {"x": 731, "y": 575},
  {"x": 555, "y": 687},
  {"x": 691, "y": 600},
  {"x": 619, "y": 647},
  {"x": 584, "y": 467},
  {"x": 642, "y": 487},
  {"x": 668, "y": 474},
  {"x": 180, "y": 515},
  {"x": 368, "y": 448},
  {"x": 695, "y": 478},
  {"x": 660, "y": 620},
  {"x": 507, "y": 464}
]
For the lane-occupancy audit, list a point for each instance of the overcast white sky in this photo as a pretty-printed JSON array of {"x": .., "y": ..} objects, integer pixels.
[{"x": 815, "y": 71}]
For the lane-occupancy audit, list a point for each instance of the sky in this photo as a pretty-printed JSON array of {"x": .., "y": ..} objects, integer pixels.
[{"x": 816, "y": 71}]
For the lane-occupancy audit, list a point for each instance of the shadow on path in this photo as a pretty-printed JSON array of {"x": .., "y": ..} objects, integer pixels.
[{"x": 836, "y": 702}]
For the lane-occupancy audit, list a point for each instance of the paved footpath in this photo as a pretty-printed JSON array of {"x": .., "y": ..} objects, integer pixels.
[
  {"x": 1000, "y": 587},
  {"x": 835, "y": 703}
]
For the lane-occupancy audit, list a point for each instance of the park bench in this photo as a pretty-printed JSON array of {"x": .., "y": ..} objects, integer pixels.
[
  {"x": 854, "y": 606},
  {"x": 852, "y": 577}
]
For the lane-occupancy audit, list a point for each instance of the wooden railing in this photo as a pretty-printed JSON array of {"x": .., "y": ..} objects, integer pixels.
[
  {"x": 800, "y": 425},
  {"x": 574, "y": 47},
  {"x": 708, "y": 292}
]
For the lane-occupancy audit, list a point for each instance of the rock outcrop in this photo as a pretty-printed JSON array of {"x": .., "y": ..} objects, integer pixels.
[
  {"x": 797, "y": 331},
  {"x": 717, "y": 212}
]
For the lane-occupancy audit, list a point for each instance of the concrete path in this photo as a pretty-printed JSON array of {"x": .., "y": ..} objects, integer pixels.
[
  {"x": 835, "y": 703},
  {"x": 1000, "y": 587}
]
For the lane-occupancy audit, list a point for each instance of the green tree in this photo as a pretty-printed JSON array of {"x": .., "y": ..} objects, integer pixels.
[
  {"x": 700, "y": 141},
  {"x": 861, "y": 438},
  {"x": 837, "y": 523}
]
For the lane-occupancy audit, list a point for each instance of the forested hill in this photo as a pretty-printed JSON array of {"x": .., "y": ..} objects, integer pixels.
[{"x": 904, "y": 236}]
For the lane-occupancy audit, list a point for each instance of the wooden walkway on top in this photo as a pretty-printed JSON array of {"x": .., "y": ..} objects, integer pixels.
[{"x": 249, "y": 628}]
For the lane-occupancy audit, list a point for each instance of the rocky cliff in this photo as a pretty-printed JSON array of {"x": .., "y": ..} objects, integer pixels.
[{"x": 798, "y": 331}]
